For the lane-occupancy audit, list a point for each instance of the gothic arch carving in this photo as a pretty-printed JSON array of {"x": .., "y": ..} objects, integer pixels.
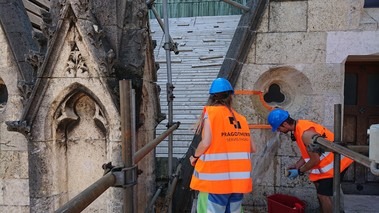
[
  {"x": 79, "y": 132},
  {"x": 65, "y": 116}
]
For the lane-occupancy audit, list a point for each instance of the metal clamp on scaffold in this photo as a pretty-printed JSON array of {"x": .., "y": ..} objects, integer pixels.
[
  {"x": 170, "y": 92},
  {"x": 172, "y": 46},
  {"x": 315, "y": 146},
  {"x": 125, "y": 177}
]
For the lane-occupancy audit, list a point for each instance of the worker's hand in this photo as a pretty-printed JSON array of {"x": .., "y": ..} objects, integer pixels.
[
  {"x": 293, "y": 173},
  {"x": 193, "y": 160}
]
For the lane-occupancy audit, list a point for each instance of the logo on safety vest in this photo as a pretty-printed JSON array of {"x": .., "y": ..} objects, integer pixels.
[
  {"x": 234, "y": 122},
  {"x": 235, "y": 135}
]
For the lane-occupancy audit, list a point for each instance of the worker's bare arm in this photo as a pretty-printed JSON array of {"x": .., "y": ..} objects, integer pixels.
[
  {"x": 204, "y": 143},
  {"x": 314, "y": 157}
]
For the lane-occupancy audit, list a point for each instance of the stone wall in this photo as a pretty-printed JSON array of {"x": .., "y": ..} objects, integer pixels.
[
  {"x": 14, "y": 177},
  {"x": 302, "y": 47},
  {"x": 70, "y": 121}
]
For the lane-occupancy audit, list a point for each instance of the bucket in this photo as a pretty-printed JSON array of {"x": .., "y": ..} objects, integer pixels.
[{"x": 280, "y": 203}]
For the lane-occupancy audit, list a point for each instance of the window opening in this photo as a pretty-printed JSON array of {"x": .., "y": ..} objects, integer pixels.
[
  {"x": 373, "y": 88},
  {"x": 350, "y": 89},
  {"x": 3, "y": 95},
  {"x": 371, "y": 4},
  {"x": 274, "y": 94}
]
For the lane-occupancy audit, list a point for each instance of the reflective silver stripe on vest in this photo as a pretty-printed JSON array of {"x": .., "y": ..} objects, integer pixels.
[
  {"x": 322, "y": 170},
  {"x": 222, "y": 176},
  {"x": 316, "y": 171},
  {"x": 324, "y": 155},
  {"x": 321, "y": 157},
  {"x": 225, "y": 156},
  {"x": 326, "y": 168}
]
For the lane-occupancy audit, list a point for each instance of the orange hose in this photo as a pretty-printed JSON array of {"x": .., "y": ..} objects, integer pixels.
[
  {"x": 254, "y": 92},
  {"x": 261, "y": 99},
  {"x": 259, "y": 126},
  {"x": 247, "y": 92}
]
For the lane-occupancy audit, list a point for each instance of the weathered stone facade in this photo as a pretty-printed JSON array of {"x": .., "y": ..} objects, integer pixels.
[
  {"x": 56, "y": 137},
  {"x": 14, "y": 176},
  {"x": 302, "y": 46}
]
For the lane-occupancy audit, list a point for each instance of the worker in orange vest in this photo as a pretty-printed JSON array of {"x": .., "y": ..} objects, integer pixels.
[
  {"x": 222, "y": 160},
  {"x": 319, "y": 164}
]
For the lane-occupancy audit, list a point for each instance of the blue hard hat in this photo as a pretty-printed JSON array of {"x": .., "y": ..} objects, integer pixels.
[
  {"x": 220, "y": 85},
  {"x": 276, "y": 118}
]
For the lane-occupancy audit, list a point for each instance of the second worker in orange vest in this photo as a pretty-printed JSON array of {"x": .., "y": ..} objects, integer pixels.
[{"x": 319, "y": 165}]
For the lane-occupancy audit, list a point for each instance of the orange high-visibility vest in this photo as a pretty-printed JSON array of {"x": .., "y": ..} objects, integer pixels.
[
  {"x": 225, "y": 167},
  {"x": 325, "y": 168}
]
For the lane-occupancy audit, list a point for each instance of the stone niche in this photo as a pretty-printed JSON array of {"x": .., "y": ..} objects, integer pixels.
[
  {"x": 70, "y": 158},
  {"x": 81, "y": 142}
]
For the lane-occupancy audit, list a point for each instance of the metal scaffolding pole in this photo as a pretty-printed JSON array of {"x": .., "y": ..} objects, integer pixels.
[
  {"x": 151, "y": 145},
  {"x": 236, "y": 4},
  {"x": 133, "y": 136},
  {"x": 174, "y": 45},
  {"x": 357, "y": 157},
  {"x": 149, "y": 207},
  {"x": 337, "y": 158},
  {"x": 170, "y": 88},
  {"x": 171, "y": 189},
  {"x": 149, "y": 2},
  {"x": 127, "y": 157},
  {"x": 85, "y": 198}
]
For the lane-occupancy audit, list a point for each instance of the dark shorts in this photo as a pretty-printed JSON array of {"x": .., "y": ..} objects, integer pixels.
[{"x": 325, "y": 186}]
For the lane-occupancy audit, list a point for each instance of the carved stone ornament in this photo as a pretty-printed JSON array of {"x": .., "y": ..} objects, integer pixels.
[
  {"x": 26, "y": 89},
  {"x": 61, "y": 5},
  {"x": 41, "y": 40},
  {"x": 70, "y": 114},
  {"x": 35, "y": 59},
  {"x": 95, "y": 35},
  {"x": 18, "y": 126},
  {"x": 65, "y": 117},
  {"x": 47, "y": 27},
  {"x": 82, "y": 6},
  {"x": 106, "y": 66},
  {"x": 99, "y": 119},
  {"x": 76, "y": 66}
]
